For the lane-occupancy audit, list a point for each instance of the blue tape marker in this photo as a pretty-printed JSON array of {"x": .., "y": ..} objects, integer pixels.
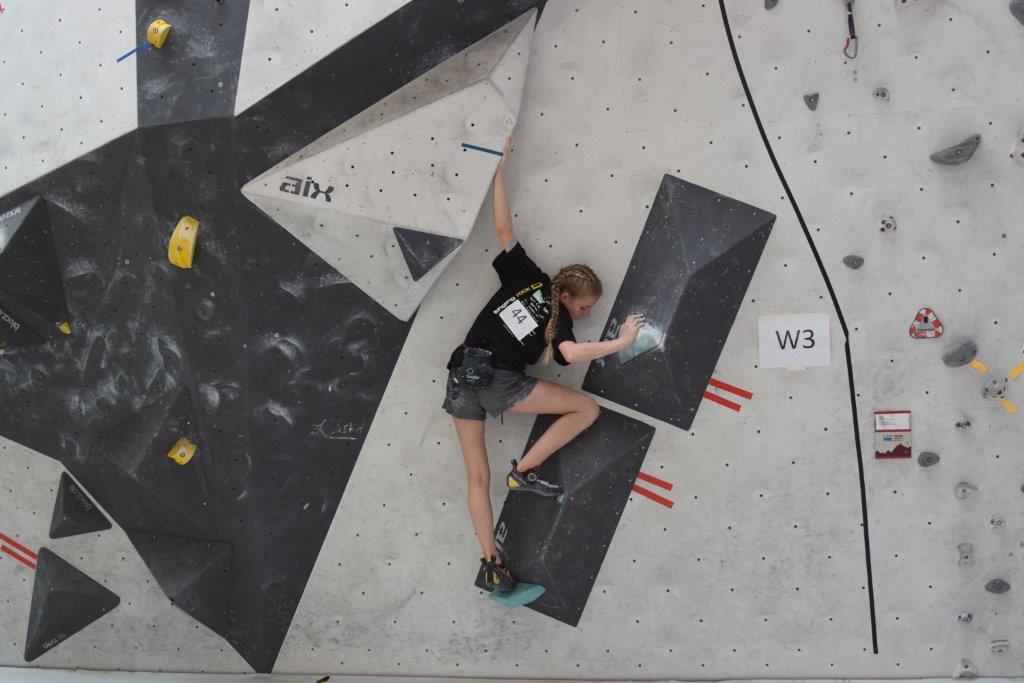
[
  {"x": 466, "y": 145},
  {"x": 131, "y": 52}
]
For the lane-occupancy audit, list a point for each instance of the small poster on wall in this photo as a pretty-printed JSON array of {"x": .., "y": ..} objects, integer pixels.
[{"x": 892, "y": 433}]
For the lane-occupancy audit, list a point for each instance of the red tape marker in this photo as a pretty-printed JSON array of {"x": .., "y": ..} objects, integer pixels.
[
  {"x": 722, "y": 401},
  {"x": 14, "y": 544},
  {"x": 653, "y": 496},
  {"x": 742, "y": 393},
  {"x": 19, "y": 558},
  {"x": 654, "y": 480}
]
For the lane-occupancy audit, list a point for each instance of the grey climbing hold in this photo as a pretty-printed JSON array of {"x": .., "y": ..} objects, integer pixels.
[
  {"x": 961, "y": 354},
  {"x": 853, "y": 261},
  {"x": 888, "y": 224},
  {"x": 811, "y": 101},
  {"x": 965, "y": 669},
  {"x": 999, "y": 646},
  {"x": 963, "y": 425},
  {"x": 927, "y": 459},
  {"x": 964, "y": 489},
  {"x": 994, "y": 388},
  {"x": 770, "y": 4},
  {"x": 881, "y": 93},
  {"x": 1017, "y": 9},
  {"x": 966, "y": 551},
  {"x": 1017, "y": 154},
  {"x": 958, "y": 153},
  {"x": 997, "y": 586},
  {"x": 965, "y": 617},
  {"x": 997, "y": 522}
]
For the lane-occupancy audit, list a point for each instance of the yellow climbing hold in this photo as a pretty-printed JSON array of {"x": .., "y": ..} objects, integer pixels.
[
  {"x": 65, "y": 327},
  {"x": 182, "y": 451},
  {"x": 158, "y": 32},
  {"x": 182, "y": 246}
]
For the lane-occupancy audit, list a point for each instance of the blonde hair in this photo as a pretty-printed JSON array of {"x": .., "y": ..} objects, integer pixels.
[{"x": 575, "y": 280}]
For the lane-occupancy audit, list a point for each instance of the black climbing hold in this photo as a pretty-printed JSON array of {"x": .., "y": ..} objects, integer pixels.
[
  {"x": 424, "y": 250},
  {"x": 194, "y": 573},
  {"x": 1017, "y": 10},
  {"x": 770, "y": 4},
  {"x": 563, "y": 550},
  {"x": 927, "y": 459},
  {"x": 853, "y": 261},
  {"x": 959, "y": 153},
  {"x": 961, "y": 354},
  {"x": 74, "y": 512},
  {"x": 811, "y": 101},
  {"x": 688, "y": 275},
  {"x": 997, "y": 586},
  {"x": 64, "y": 601},
  {"x": 32, "y": 303}
]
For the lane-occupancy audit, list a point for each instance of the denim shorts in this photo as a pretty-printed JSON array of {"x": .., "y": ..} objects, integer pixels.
[{"x": 507, "y": 388}]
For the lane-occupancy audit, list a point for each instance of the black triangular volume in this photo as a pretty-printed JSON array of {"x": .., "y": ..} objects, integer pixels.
[
  {"x": 424, "y": 250},
  {"x": 74, "y": 512},
  {"x": 64, "y": 601},
  {"x": 194, "y": 573},
  {"x": 31, "y": 289}
]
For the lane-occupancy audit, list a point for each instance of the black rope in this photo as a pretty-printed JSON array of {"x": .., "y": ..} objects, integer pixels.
[{"x": 839, "y": 312}]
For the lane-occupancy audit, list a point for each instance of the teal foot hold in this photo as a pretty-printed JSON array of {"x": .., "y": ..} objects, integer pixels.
[{"x": 524, "y": 594}]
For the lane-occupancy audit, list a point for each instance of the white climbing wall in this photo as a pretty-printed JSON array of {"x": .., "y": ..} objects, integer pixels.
[{"x": 759, "y": 568}]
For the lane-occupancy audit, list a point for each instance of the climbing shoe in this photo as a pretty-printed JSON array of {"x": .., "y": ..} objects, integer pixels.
[
  {"x": 497, "y": 576},
  {"x": 529, "y": 481}
]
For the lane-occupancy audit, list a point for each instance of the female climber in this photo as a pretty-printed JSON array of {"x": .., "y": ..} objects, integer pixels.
[{"x": 529, "y": 316}]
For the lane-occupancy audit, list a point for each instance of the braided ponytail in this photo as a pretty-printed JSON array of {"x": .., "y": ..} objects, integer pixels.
[{"x": 575, "y": 280}]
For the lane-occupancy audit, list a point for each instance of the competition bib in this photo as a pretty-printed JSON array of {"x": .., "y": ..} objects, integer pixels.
[{"x": 522, "y": 313}]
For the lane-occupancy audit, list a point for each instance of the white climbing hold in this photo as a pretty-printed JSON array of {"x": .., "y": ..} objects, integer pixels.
[
  {"x": 999, "y": 646},
  {"x": 1017, "y": 154},
  {"x": 881, "y": 93},
  {"x": 996, "y": 522},
  {"x": 965, "y": 617},
  {"x": 963, "y": 425},
  {"x": 964, "y": 489},
  {"x": 966, "y": 551},
  {"x": 965, "y": 669},
  {"x": 994, "y": 388},
  {"x": 887, "y": 224}
]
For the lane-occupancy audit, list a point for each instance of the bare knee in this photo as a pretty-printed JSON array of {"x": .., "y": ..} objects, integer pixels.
[
  {"x": 478, "y": 478},
  {"x": 590, "y": 410}
]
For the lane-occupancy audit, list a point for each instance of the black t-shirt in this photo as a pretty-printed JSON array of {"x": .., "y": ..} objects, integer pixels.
[{"x": 512, "y": 323}]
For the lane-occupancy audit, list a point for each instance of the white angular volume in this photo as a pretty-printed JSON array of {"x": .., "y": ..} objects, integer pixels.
[{"x": 400, "y": 163}]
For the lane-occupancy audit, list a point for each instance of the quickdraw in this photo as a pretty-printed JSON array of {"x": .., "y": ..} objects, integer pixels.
[{"x": 851, "y": 41}]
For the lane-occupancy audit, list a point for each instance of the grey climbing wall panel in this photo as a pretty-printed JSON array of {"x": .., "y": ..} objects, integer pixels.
[
  {"x": 688, "y": 274},
  {"x": 561, "y": 546},
  {"x": 64, "y": 601},
  {"x": 74, "y": 512},
  {"x": 195, "y": 74},
  {"x": 32, "y": 302},
  {"x": 423, "y": 250}
]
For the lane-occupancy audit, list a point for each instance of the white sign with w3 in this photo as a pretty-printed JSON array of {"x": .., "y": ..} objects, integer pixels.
[{"x": 794, "y": 341}]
